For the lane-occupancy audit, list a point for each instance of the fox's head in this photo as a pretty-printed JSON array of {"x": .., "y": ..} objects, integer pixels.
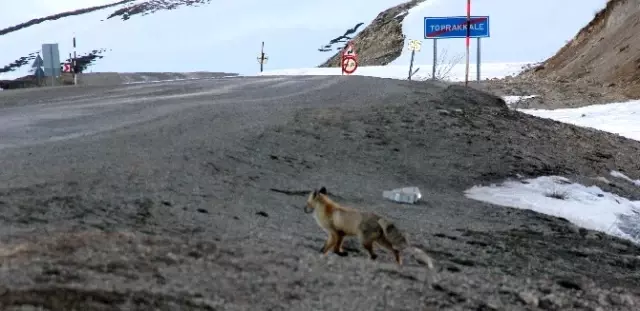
[{"x": 312, "y": 199}]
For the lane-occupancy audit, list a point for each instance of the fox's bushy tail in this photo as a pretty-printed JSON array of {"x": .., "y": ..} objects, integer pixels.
[{"x": 399, "y": 242}]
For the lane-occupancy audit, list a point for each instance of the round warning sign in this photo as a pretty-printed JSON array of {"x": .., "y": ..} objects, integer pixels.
[{"x": 349, "y": 64}]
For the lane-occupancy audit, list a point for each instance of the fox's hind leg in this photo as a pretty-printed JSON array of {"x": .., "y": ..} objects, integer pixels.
[
  {"x": 367, "y": 243},
  {"x": 386, "y": 244}
]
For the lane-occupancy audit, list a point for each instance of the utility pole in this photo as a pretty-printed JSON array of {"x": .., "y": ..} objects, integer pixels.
[
  {"x": 73, "y": 62},
  {"x": 466, "y": 74}
]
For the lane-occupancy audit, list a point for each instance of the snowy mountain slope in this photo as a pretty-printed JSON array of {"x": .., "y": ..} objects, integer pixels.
[
  {"x": 221, "y": 36},
  {"x": 57, "y": 16},
  {"x": 18, "y": 12}
]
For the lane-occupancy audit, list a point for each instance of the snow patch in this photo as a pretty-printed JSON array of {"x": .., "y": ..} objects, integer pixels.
[
  {"x": 625, "y": 177},
  {"x": 403, "y": 13},
  {"x": 512, "y": 99},
  {"x": 489, "y": 71},
  {"x": 619, "y": 118},
  {"x": 587, "y": 207}
]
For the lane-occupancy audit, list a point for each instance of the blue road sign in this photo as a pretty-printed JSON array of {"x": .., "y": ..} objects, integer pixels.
[{"x": 455, "y": 27}]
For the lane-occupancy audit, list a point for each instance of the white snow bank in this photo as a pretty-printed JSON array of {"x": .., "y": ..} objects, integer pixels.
[
  {"x": 457, "y": 73},
  {"x": 512, "y": 99},
  {"x": 621, "y": 118},
  {"x": 587, "y": 207}
]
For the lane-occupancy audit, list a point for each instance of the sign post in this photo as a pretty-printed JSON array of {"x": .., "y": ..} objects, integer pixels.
[
  {"x": 457, "y": 27},
  {"x": 478, "y": 60},
  {"x": 435, "y": 59},
  {"x": 348, "y": 59},
  {"x": 74, "y": 65},
  {"x": 414, "y": 46}
]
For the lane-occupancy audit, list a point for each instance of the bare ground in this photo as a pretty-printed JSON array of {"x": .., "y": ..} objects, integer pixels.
[
  {"x": 551, "y": 93},
  {"x": 604, "y": 53},
  {"x": 179, "y": 212}
]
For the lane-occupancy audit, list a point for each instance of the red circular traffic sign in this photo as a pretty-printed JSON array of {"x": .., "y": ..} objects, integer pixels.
[{"x": 349, "y": 64}]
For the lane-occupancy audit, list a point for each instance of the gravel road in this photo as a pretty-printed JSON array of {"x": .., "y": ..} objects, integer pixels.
[{"x": 161, "y": 196}]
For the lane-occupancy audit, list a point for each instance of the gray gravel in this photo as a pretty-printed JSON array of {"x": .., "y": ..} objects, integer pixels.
[
  {"x": 551, "y": 94},
  {"x": 160, "y": 196}
]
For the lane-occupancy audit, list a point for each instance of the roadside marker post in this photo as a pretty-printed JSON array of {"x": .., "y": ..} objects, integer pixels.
[
  {"x": 263, "y": 58},
  {"x": 414, "y": 46},
  {"x": 449, "y": 27}
]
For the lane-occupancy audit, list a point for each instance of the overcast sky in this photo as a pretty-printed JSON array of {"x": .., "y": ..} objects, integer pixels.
[{"x": 226, "y": 35}]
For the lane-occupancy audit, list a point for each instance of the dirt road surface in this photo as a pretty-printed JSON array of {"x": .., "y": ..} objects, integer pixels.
[{"x": 161, "y": 197}]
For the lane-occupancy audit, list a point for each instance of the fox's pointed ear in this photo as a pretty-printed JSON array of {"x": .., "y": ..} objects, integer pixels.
[{"x": 323, "y": 190}]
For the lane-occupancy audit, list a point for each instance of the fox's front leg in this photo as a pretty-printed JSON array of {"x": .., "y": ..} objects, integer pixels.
[
  {"x": 331, "y": 240},
  {"x": 338, "y": 246}
]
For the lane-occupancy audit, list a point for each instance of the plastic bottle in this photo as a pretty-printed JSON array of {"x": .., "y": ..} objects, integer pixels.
[{"x": 409, "y": 195}]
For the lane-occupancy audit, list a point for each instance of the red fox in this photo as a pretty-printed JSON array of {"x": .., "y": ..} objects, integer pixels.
[{"x": 340, "y": 221}]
